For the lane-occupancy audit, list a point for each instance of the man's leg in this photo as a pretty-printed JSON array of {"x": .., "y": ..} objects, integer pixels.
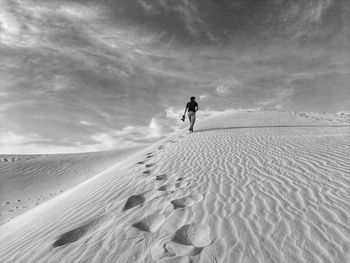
[
  {"x": 190, "y": 119},
  {"x": 193, "y": 119}
]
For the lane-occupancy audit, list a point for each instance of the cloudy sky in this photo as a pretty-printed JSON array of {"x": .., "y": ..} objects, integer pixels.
[{"x": 89, "y": 75}]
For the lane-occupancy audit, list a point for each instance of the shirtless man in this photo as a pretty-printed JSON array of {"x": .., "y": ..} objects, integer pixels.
[{"x": 192, "y": 107}]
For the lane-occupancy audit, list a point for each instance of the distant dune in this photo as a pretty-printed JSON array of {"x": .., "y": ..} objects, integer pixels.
[
  {"x": 246, "y": 186},
  {"x": 29, "y": 180}
]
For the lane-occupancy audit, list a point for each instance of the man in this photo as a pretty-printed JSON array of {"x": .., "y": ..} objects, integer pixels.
[{"x": 192, "y": 107}]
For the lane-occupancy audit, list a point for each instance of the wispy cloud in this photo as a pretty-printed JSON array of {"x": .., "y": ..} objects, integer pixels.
[
  {"x": 86, "y": 123},
  {"x": 13, "y": 138},
  {"x": 203, "y": 96}
]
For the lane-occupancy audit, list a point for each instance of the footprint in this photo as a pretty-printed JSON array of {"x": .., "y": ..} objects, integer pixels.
[
  {"x": 168, "y": 187},
  {"x": 178, "y": 250},
  {"x": 161, "y": 147},
  {"x": 147, "y": 172},
  {"x": 188, "y": 240},
  {"x": 150, "y": 223},
  {"x": 179, "y": 179},
  {"x": 186, "y": 201},
  {"x": 193, "y": 234},
  {"x": 150, "y": 165},
  {"x": 142, "y": 162},
  {"x": 134, "y": 200},
  {"x": 72, "y": 235},
  {"x": 161, "y": 177},
  {"x": 158, "y": 250},
  {"x": 10, "y": 159}
]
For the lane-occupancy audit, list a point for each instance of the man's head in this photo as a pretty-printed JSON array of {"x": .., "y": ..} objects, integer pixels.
[{"x": 193, "y": 98}]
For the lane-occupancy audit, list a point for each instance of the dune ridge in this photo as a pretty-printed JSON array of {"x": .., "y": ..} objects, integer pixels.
[{"x": 245, "y": 187}]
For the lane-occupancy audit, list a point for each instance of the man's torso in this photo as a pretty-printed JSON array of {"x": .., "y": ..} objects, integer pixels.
[{"x": 192, "y": 106}]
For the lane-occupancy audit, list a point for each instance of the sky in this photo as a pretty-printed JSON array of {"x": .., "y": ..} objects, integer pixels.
[{"x": 91, "y": 75}]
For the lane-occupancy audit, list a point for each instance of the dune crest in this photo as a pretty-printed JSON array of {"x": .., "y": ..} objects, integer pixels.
[{"x": 244, "y": 187}]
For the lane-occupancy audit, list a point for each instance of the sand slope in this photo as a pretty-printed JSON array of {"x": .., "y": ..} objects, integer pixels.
[
  {"x": 245, "y": 187},
  {"x": 29, "y": 180}
]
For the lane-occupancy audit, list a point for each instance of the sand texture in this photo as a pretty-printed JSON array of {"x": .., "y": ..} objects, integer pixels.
[
  {"x": 244, "y": 187},
  {"x": 29, "y": 180}
]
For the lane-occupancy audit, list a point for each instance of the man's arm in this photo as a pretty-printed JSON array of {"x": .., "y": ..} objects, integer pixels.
[
  {"x": 183, "y": 116},
  {"x": 186, "y": 109},
  {"x": 196, "y": 108}
]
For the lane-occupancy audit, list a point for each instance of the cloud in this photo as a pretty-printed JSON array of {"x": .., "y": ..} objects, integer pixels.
[
  {"x": 13, "y": 138},
  {"x": 227, "y": 86},
  {"x": 61, "y": 83},
  {"x": 203, "y": 96},
  {"x": 279, "y": 96},
  {"x": 16, "y": 27},
  {"x": 148, "y": 7},
  {"x": 16, "y": 143},
  {"x": 237, "y": 21},
  {"x": 128, "y": 137},
  {"x": 86, "y": 123},
  {"x": 81, "y": 12},
  {"x": 305, "y": 12},
  {"x": 309, "y": 19},
  {"x": 223, "y": 89},
  {"x": 107, "y": 141},
  {"x": 10, "y": 28},
  {"x": 155, "y": 129}
]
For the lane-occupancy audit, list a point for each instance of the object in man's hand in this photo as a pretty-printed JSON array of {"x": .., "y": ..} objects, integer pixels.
[{"x": 183, "y": 118}]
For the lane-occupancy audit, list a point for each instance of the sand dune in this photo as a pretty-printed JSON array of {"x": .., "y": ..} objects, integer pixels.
[
  {"x": 244, "y": 187},
  {"x": 29, "y": 180}
]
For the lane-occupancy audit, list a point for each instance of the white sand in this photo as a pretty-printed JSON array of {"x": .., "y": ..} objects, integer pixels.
[
  {"x": 245, "y": 187},
  {"x": 29, "y": 180}
]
